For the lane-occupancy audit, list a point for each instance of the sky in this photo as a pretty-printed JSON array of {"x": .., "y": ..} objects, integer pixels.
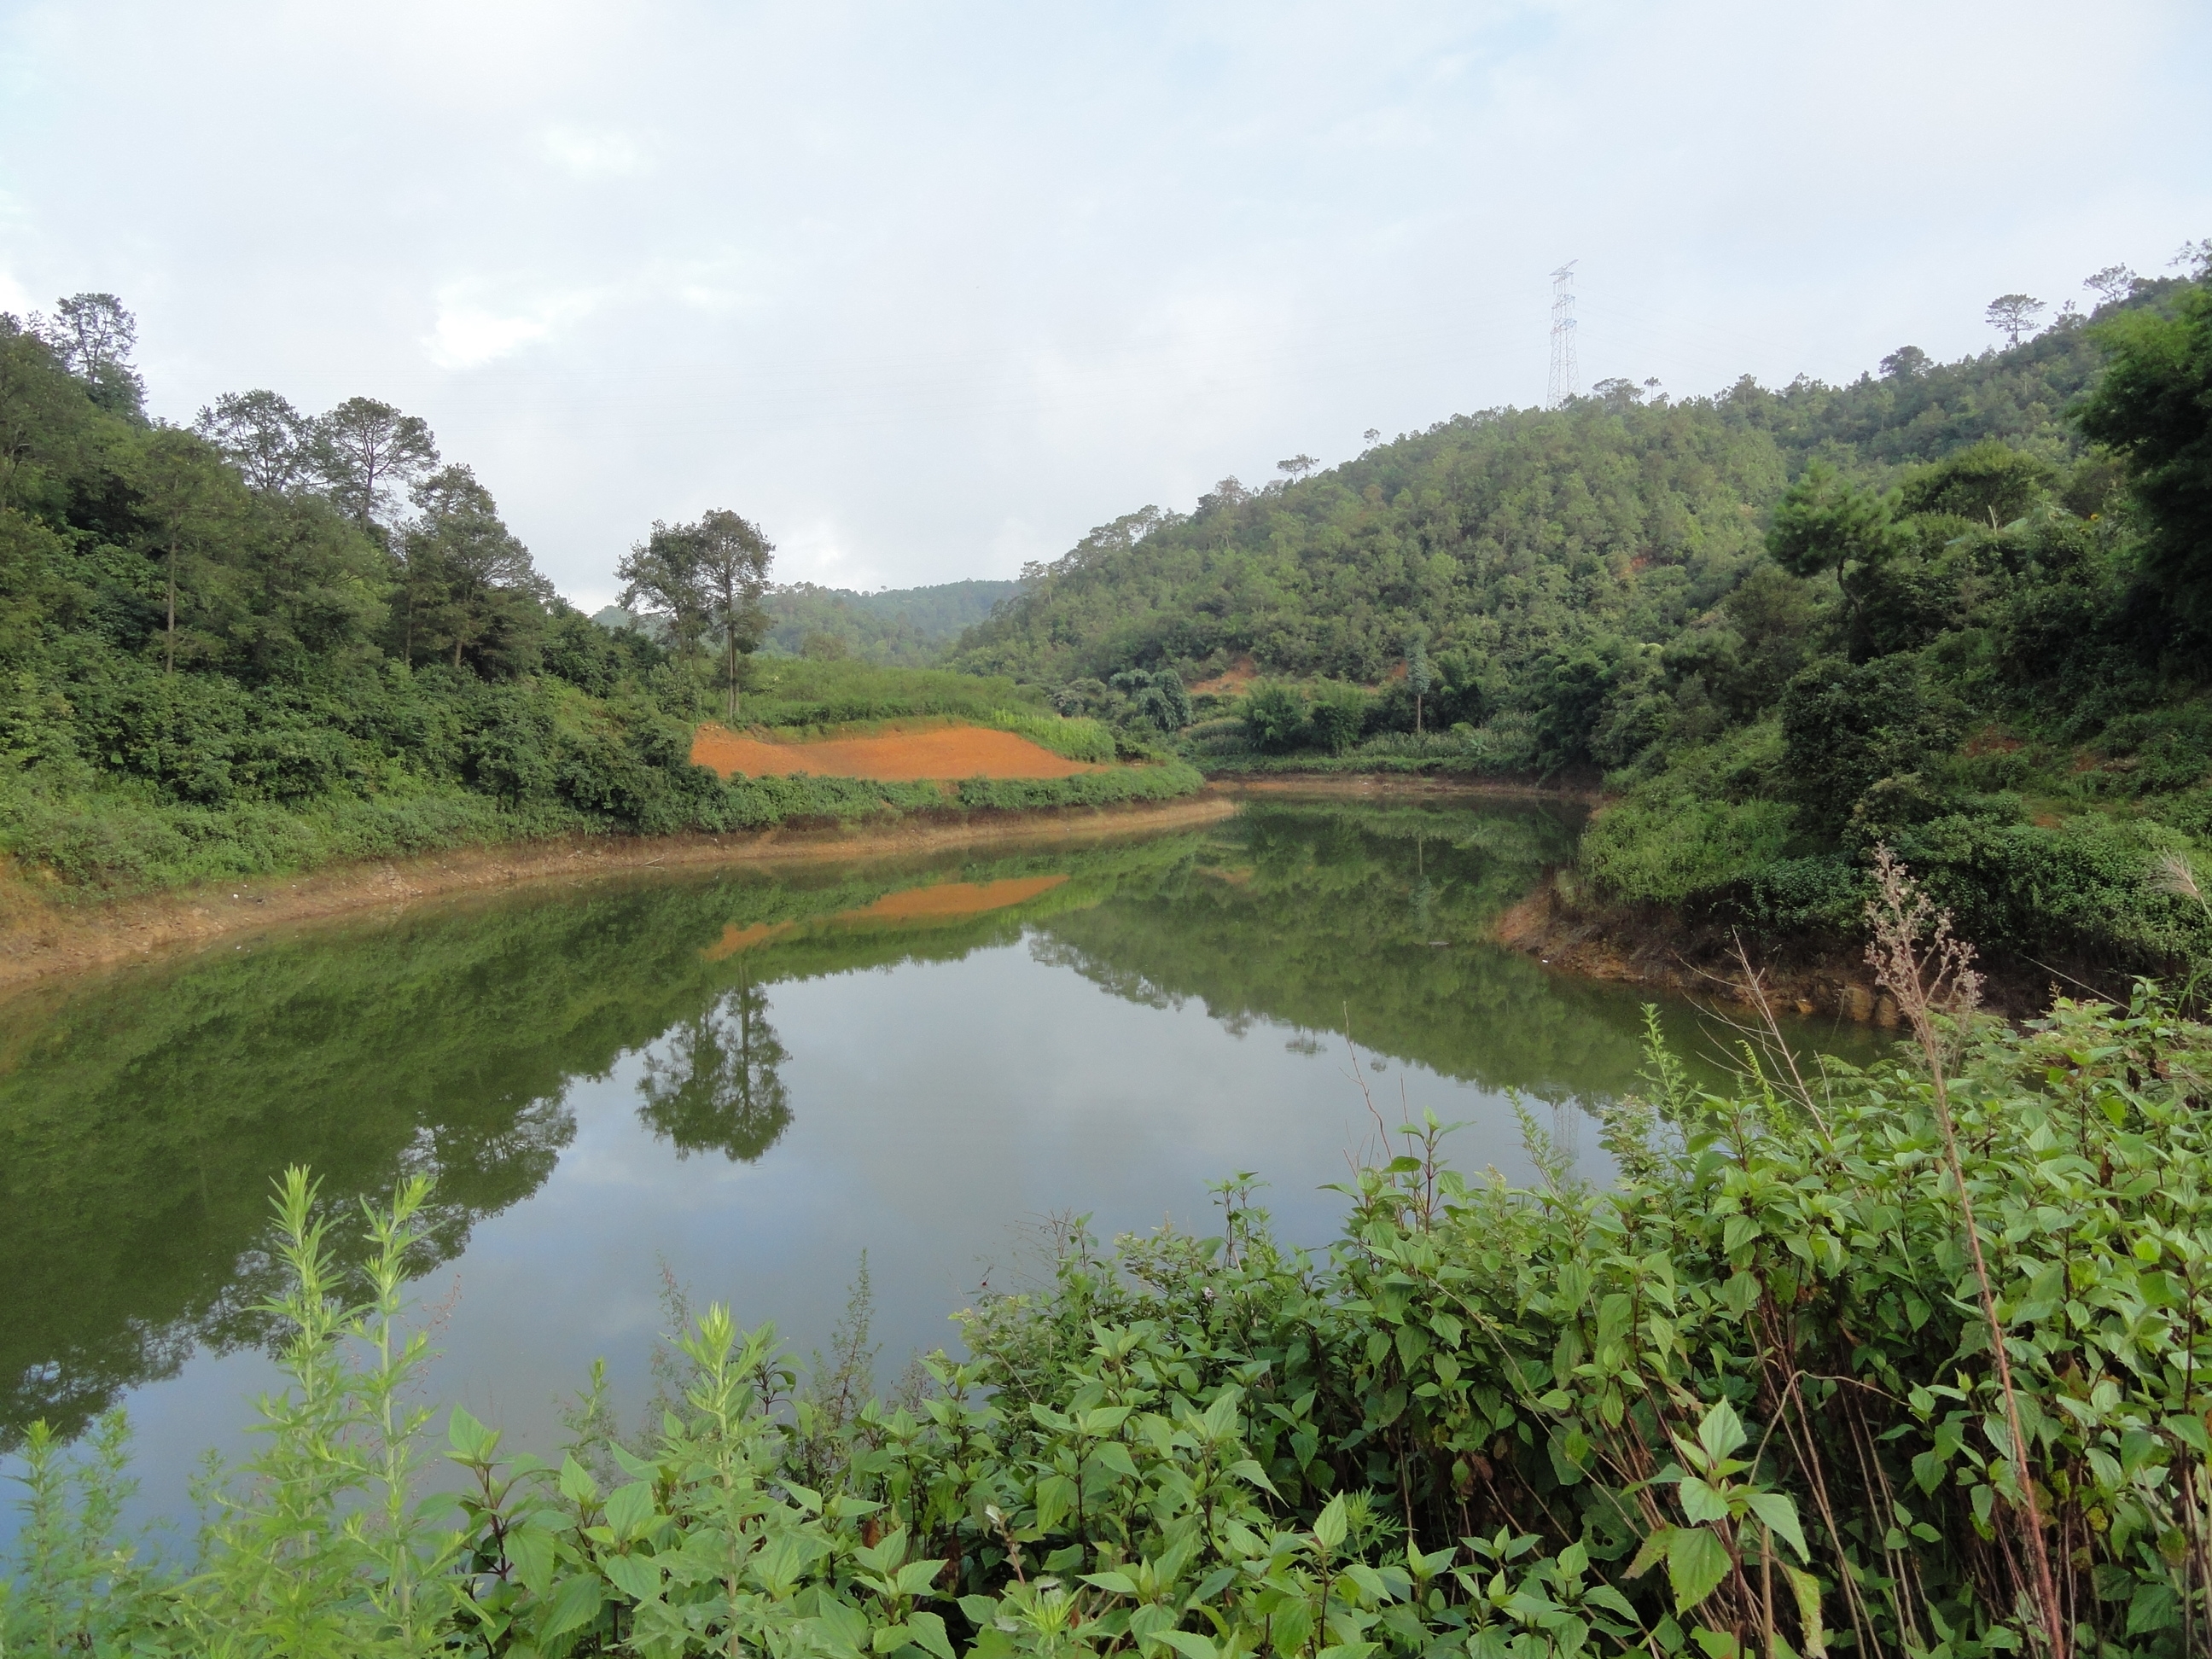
[{"x": 928, "y": 291}]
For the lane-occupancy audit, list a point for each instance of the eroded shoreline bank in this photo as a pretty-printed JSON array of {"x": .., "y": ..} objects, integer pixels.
[{"x": 41, "y": 939}]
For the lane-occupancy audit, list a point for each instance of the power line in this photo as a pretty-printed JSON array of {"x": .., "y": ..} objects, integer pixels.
[{"x": 1564, "y": 376}]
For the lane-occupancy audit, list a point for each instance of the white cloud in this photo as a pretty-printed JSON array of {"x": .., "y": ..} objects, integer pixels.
[
  {"x": 596, "y": 153},
  {"x": 469, "y": 335}
]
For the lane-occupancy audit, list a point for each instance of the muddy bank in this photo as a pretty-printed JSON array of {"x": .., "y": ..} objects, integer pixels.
[
  {"x": 1806, "y": 975},
  {"x": 40, "y": 937}
]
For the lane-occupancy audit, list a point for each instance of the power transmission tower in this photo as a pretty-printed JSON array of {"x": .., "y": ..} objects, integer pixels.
[{"x": 1563, "y": 375}]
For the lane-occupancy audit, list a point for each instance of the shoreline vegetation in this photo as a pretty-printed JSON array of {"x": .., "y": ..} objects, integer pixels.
[{"x": 1911, "y": 1359}]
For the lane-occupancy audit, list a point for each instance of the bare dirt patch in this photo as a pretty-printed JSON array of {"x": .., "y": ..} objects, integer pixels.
[
  {"x": 893, "y": 756},
  {"x": 1229, "y": 680}
]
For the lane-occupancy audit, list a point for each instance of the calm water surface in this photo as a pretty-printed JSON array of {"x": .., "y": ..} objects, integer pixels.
[{"x": 747, "y": 1079}]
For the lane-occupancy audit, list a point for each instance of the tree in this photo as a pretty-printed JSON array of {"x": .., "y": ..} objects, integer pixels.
[
  {"x": 715, "y": 1087},
  {"x": 2153, "y": 408},
  {"x": 1275, "y": 716},
  {"x": 663, "y": 578},
  {"x": 1155, "y": 697},
  {"x": 93, "y": 336},
  {"x": 366, "y": 451},
  {"x": 42, "y": 412},
  {"x": 2013, "y": 315},
  {"x": 1338, "y": 714},
  {"x": 1296, "y": 467},
  {"x": 2113, "y": 284},
  {"x": 1989, "y": 481},
  {"x": 187, "y": 500},
  {"x": 1904, "y": 363},
  {"x": 1419, "y": 677},
  {"x": 259, "y": 433},
  {"x": 1824, "y": 521},
  {"x": 733, "y": 562},
  {"x": 465, "y": 570}
]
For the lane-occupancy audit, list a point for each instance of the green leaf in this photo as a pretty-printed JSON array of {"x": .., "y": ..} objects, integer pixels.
[
  {"x": 629, "y": 1509},
  {"x": 1329, "y": 1526},
  {"x": 916, "y": 1578},
  {"x": 1696, "y": 1564},
  {"x": 637, "y": 1577},
  {"x": 1189, "y": 1645},
  {"x": 1807, "y": 1589},
  {"x": 576, "y": 1603},
  {"x": 1055, "y": 1497},
  {"x": 928, "y": 1630},
  {"x": 529, "y": 1551},
  {"x": 472, "y": 1443},
  {"x": 1120, "y": 1582},
  {"x": 1722, "y": 1433},
  {"x": 576, "y": 1483},
  {"x": 1245, "y": 1469},
  {"x": 1700, "y": 1502},
  {"x": 1780, "y": 1513},
  {"x": 1654, "y": 1549},
  {"x": 2153, "y": 1606}
]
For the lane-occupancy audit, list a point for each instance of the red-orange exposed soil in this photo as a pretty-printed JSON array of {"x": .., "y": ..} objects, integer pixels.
[
  {"x": 893, "y": 757},
  {"x": 1229, "y": 680}
]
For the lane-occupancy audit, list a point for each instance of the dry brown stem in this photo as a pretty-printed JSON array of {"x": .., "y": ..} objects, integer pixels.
[{"x": 1917, "y": 959}]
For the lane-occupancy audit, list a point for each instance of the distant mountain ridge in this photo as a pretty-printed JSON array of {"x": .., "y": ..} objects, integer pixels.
[{"x": 899, "y": 627}]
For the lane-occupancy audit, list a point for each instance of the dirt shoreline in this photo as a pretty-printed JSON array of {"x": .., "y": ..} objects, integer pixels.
[
  {"x": 1805, "y": 975},
  {"x": 41, "y": 939}
]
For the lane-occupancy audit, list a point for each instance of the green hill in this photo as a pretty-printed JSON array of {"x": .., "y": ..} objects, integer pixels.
[
  {"x": 1922, "y": 608},
  {"x": 894, "y": 627}
]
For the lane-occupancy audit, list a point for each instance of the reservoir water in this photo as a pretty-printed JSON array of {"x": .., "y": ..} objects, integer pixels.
[{"x": 740, "y": 1082}]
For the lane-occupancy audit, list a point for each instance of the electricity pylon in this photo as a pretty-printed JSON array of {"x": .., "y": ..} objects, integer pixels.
[{"x": 1563, "y": 375}]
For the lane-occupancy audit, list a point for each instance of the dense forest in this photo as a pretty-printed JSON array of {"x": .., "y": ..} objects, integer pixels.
[{"x": 1954, "y": 606}]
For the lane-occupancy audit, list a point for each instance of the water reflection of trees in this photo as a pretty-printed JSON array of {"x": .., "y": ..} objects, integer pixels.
[
  {"x": 144, "y": 1116},
  {"x": 712, "y": 1083}
]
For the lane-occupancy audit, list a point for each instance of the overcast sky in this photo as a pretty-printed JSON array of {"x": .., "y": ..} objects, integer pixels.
[{"x": 930, "y": 289}]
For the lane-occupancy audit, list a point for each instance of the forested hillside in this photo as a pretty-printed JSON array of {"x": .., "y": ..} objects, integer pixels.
[
  {"x": 900, "y": 628},
  {"x": 1950, "y": 605}
]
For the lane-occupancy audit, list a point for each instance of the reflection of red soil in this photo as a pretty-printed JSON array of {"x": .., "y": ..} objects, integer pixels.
[
  {"x": 953, "y": 751},
  {"x": 953, "y": 898},
  {"x": 736, "y": 939},
  {"x": 946, "y": 901}
]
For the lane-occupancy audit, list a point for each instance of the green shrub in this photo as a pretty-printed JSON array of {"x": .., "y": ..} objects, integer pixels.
[
  {"x": 1077, "y": 740},
  {"x": 1664, "y": 851}
]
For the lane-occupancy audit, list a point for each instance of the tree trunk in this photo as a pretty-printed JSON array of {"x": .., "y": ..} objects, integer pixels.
[{"x": 169, "y": 667}]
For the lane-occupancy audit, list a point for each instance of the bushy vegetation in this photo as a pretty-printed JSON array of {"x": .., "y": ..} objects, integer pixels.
[{"x": 1911, "y": 1360}]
